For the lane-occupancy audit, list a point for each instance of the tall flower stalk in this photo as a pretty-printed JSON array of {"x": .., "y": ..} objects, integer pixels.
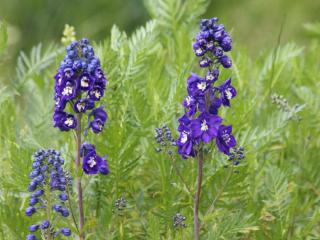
[
  {"x": 201, "y": 123},
  {"x": 79, "y": 85}
]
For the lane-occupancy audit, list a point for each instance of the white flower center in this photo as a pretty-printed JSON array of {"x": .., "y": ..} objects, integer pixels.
[
  {"x": 209, "y": 44},
  {"x": 226, "y": 137},
  {"x": 67, "y": 91},
  {"x": 92, "y": 162},
  {"x": 80, "y": 106},
  {"x": 188, "y": 100},
  {"x": 97, "y": 94},
  {"x": 228, "y": 93},
  {"x": 184, "y": 137},
  {"x": 204, "y": 61},
  {"x": 68, "y": 122},
  {"x": 68, "y": 74},
  {"x": 210, "y": 77},
  {"x": 202, "y": 86},
  {"x": 84, "y": 82},
  {"x": 199, "y": 51},
  {"x": 204, "y": 126}
]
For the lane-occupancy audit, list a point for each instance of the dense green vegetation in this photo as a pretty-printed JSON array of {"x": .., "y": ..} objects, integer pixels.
[{"x": 273, "y": 194}]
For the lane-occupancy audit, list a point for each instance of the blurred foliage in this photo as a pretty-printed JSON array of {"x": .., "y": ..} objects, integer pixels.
[
  {"x": 273, "y": 194},
  {"x": 3, "y": 37}
]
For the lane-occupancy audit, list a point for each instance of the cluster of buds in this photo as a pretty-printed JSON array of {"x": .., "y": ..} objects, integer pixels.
[
  {"x": 236, "y": 155},
  {"x": 178, "y": 221},
  {"x": 164, "y": 139},
  {"x": 120, "y": 204},
  {"x": 282, "y": 104},
  {"x": 49, "y": 183}
]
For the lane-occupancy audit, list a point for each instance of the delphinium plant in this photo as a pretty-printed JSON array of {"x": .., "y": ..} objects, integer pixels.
[
  {"x": 49, "y": 186},
  {"x": 200, "y": 125},
  {"x": 79, "y": 85}
]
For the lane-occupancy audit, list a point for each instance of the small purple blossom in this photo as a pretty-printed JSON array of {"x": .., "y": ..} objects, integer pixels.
[
  {"x": 205, "y": 127},
  {"x": 227, "y": 92},
  {"x": 225, "y": 139},
  {"x": 93, "y": 164}
]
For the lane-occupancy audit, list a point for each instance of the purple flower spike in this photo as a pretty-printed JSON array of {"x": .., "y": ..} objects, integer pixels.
[{"x": 200, "y": 122}]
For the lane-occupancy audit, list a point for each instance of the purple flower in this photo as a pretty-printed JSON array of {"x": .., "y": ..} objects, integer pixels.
[
  {"x": 99, "y": 119},
  {"x": 92, "y": 164},
  {"x": 212, "y": 75},
  {"x": 64, "y": 121},
  {"x": 85, "y": 81},
  {"x": 225, "y": 139},
  {"x": 65, "y": 231},
  {"x": 198, "y": 50},
  {"x": 96, "y": 93},
  {"x": 185, "y": 144},
  {"x": 87, "y": 148},
  {"x": 31, "y": 237},
  {"x": 205, "y": 62},
  {"x": 197, "y": 85},
  {"x": 82, "y": 105},
  {"x": 205, "y": 127},
  {"x": 215, "y": 105},
  {"x": 68, "y": 90},
  {"x": 227, "y": 92},
  {"x": 225, "y": 61},
  {"x": 30, "y": 211}
]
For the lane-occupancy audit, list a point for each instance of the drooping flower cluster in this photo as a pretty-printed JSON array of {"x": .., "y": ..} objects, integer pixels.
[
  {"x": 79, "y": 84},
  {"x": 201, "y": 122},
  {"x": 49, "y": 183}
]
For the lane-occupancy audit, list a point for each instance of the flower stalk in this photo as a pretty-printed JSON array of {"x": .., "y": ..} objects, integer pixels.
[
  {"x": 197, "y": 197},
  {"x": 79, "y": 187},
  {"x": 201, "y": 123}
]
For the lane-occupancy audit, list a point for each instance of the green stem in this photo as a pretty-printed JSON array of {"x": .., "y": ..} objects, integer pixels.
[
  {"x": 71, "y": 210},
  {"x": 78, "y": 179},
  {"x": 197, "y": 197}
]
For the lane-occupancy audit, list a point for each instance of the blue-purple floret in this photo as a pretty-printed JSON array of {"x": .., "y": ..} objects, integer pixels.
[
  {"x": 200, "y": 122},
  {"x": 47, "y": 180}
]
